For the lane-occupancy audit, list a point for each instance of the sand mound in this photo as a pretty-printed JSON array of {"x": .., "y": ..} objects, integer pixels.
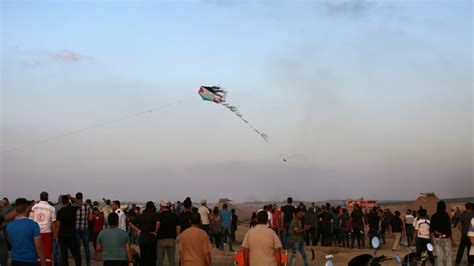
[
  {"x": 230, "y": 204},
  {"x": 426, "y": 200}
]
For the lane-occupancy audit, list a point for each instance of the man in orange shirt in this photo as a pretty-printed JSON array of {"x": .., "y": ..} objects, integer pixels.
[{"x": 194, "y": 245}]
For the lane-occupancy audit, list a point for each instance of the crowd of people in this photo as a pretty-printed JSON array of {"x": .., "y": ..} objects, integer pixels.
[
  {"x": 337, "y": 226},
  {"x": 47, "y": 233}
]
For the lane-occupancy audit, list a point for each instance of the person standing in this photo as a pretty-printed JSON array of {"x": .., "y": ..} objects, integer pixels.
[
  {"x": 7, "y": 207},
  {"x": 396, "y": 224},
  {"x": 45, "y": 215},
  {"x": 131, "y": 215},
  {"x": 217, "y": 228},
  {"x": 409, "y": 226},
  {"x": 115, "y": 244},
  {"x": 234, "y": 225},
  {"x": 346, "y": 228},
  {"x": 336, "y": 225},
  {"x": 204, "y": 215},
  {"x": 25, "y": 236},
  {"x": 287, "y": 213},
  {"x": 226, "y": 223},
  {"x": 185, "y": 216},
  {"x": 374, "y": 224},
  {"x": 441, "y": 230},
  {"x": 145, "y": 227},
  {"x": 66, "y": 219},
  {"x": 297, "y": 238},
  {"x": 358, "y": 226},
  {"x": 3, "y": 243},
  {"x": 276, "y": 214},
  {"x": 56, "y": 252},
  {"x": 326, "y": 226},
  {"x": 83, "y": 216},
  {"x": 383, "y": 225},
  {"x": 121, "y": 214},
  {"x": 194, "y": 246},
  {"x": 470, "y": 234},
  {"x": 311, "y": 220},
  {"x": 422, "y": 235},
  {"x": 261, "y": 244},
  {"x": 167, "y": 229},
  {"x": 463, "y": 226},
  {"x": 97, "y": 227},
  {"x": 107, "y": 209}
]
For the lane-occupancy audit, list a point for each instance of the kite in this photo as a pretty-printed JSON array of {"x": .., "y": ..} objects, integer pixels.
[{"x": 218, "y": 95}]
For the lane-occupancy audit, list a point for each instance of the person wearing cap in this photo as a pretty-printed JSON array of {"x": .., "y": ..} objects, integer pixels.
[
  {"x": 145, "y": 227},
  {"x": 25, "y": 236},
  {"x": 167, "y": 229},
  {"x": 45, "y": 215},
  {"x": 204, "y": 215}
]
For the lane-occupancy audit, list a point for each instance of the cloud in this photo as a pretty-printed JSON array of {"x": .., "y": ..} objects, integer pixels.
[
  {"x": 349, "y": 7},
  {"x": 61, "y": 57},
  {"x": 65, "y": 56}
]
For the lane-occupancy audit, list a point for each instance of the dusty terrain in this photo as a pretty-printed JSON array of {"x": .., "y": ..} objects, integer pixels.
[{"x": 341, "y": 255}]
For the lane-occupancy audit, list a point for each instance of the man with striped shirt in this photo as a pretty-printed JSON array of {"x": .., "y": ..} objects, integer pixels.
[{"x": 83, "y": 216}]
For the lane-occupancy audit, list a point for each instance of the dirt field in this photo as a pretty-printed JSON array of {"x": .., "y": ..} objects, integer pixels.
[{"x": 341, "y": 255}]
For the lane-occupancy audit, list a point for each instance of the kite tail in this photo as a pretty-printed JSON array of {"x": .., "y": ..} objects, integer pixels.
[
  {"x": 236, "y": 111},
  {"x": 218, "y": 90}
]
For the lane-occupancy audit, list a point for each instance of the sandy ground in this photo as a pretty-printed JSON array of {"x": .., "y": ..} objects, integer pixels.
[{"x": 341, "y": 255}]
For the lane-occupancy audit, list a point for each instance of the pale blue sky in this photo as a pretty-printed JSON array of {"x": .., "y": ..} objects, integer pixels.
[{"x": 374, "y": 97}]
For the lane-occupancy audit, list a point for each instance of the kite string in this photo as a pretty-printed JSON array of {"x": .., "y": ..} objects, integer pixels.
[{"x": 150, "y": 110}]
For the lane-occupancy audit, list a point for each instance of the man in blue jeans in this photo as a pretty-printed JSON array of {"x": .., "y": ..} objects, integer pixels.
[
  {"x": 297, "y": 238},
  {"x": 226, "y": 222},
  {"x": 83, "y": 216},
  {"x": 287, "y": 212}
]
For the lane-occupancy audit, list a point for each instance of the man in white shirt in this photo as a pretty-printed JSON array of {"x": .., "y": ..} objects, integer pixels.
[
  {"x": 204, "y": 214},
  {"x": 409, "y": 226},
  {"x": 261, "y": 244},
  {"x": 470, "y": 234},
  {"x": 45, "y": 215},
  {"x": 267, "y": 208},
  {"x": 122, "y": 218},
  {"x": 422, "y": 235}
]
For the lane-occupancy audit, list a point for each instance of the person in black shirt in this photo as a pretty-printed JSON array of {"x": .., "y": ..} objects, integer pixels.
[
  {"x": 463, "y": 226},
  {"x": 234, "y": 223},
  {"x": 326, "y": 226},
  {"x": 3, "y": 243},
  {"x": 396, "y": 224},
  {"x": 357, "y": 227},
  {"x": 287, "y": 212},
  {"x": 145, "y": 226},
  {"x": 131, "y": 215},
  {"x": 167, "y": 229},
  {"x": 374, "y": 224},
  {"x": 66, "y": 218},
  {"x": 440, "y": 228},
  {"x": 383, "y": 225},
  {"x": 186, "y": 215}
]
